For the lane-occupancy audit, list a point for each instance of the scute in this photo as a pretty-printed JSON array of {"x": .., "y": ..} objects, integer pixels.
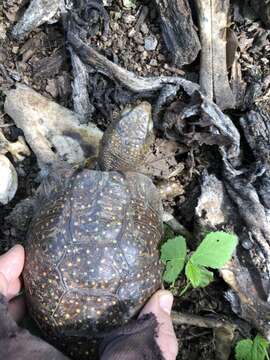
[{"x": 92, "y": 257}]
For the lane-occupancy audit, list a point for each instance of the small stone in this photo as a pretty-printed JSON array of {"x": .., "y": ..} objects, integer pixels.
[
  {"x": 144, "y": 29},
  {"x": 264, "y": 60},
  {"x": 139, "y": 39},
  {"x": 8, "y": 181},
  {"x": 153, "y": 62},
  {"x": 129, "y": 19},
  {"x": 140, "y": 48},
  {"x": 144, "y": 55},
  {"x": 132, "y": 33},
  {"x": 161, "y": 57},
  {"x": 150, "y": 43},
  {"x": 15, "y": 49}
]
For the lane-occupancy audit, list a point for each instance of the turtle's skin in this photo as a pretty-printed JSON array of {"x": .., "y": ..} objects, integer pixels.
[{"x": 91, "y": 251}]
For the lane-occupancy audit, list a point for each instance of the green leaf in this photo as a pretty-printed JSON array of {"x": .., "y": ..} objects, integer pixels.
[
  {"x": 252, "y": 350},
  {"x": 243, "y": 350},
  {"x": 173, "y": 255},
  {"x": 199, "y": 276},
  {"x": 173, "y": 269},
  {"x": 215, "y": 250},
  {"x": 259, "y": 349}
]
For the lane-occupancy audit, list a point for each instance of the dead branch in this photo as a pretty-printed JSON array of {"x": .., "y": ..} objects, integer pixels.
[
  {"x": 38, "y": 12},
  {"x": 178, "y": 31},
  {"x": 131, "y": 81},
  {"x": 213, "y": 16},
  {"x": 52, "y": 131}
]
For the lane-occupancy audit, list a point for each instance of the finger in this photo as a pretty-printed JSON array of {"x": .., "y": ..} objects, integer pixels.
[
  {"x": 17, "y": 308},
  {"x": 12, "y": 262},
  {"x": 14, "y": 288},
  {"x": 160, "y": 304},
  {"x": 3, "y": 284}
]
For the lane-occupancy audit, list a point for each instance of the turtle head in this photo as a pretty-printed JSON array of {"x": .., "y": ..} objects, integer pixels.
[{"x": 127, "y": 140}]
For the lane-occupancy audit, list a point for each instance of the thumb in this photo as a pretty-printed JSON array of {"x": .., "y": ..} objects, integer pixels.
[
  {"x": 11, "y": 263},
  {"x": 3, "y": 285},
  {"x": 160, "y": 304}
]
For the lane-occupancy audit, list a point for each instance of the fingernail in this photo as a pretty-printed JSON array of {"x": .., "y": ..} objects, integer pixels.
[{"x": 165, "y": 302}]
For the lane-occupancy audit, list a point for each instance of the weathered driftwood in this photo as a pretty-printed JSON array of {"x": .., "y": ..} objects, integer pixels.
[
  {"x": 128, "y": 79},
  {"x": 52, "y": 131},
  {"x": 166, "y": 86},
  {"x": 81, "y": 101},
  {"x": 211, "y": 127},
  {"x": 81, "y": 21},
  {"x": 178, "y": 31},
  {"x": 256, "y": 127},
  {"x": 238, "y": 85},
  {"x": 213, "y": 16},
  {"x": 38, "y": 12},
  {"x": 246, "y": 272},
  {"x": 49, "y": 66},
  {"x": 242, "y": 205}
]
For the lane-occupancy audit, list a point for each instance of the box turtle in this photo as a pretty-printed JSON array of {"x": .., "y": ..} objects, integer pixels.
[{"x": 91, "y": 251}]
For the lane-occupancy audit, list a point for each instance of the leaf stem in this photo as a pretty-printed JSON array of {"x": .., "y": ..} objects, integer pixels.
[{"x": 185, "y": 290}]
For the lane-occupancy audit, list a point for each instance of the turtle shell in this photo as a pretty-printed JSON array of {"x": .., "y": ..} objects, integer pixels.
[{"x": 91, "y": 256}]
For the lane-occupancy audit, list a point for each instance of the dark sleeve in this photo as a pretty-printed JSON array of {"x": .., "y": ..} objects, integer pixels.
[
  {"x": 134, "y": 341},
  {"x": 18, "y": 344}
]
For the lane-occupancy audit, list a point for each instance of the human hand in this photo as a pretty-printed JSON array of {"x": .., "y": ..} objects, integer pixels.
[
  {"x": 160, "y": 304},
  {"x": 11, "y": 266}
]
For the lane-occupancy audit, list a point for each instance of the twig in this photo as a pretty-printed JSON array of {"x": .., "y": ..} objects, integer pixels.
[
  {"x": 223, "y": 331},
  {"x": 180, "y": 318},
  {"x": 176, "y": 226}
]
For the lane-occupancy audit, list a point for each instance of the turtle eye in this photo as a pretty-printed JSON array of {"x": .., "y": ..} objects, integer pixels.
[{"x": 44, "y": 246}]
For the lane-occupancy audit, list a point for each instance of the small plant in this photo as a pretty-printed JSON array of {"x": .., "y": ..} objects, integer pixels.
[
  {"x": 213, "y": 252},
  {"x": 248, "y": 349}
]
